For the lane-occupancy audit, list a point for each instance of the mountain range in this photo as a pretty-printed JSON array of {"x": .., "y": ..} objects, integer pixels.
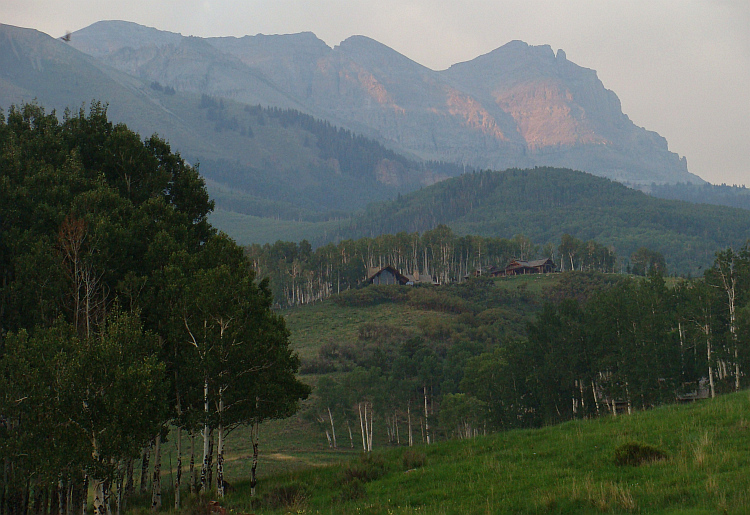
[{"x": 517, "y": 106}]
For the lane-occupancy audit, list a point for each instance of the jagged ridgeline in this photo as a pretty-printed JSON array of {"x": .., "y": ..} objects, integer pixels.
[{"x": 545, "y": 203}]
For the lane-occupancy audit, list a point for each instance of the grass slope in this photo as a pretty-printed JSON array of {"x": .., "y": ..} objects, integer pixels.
[{"x": 568, "y": 468}]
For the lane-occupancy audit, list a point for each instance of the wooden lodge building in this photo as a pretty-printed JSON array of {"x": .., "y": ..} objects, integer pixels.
[{"x": 519, "y": 267}]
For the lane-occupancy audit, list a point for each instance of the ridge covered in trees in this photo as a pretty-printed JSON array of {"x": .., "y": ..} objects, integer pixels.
[
  {"x": 122, "y": 311},
  {"x": 545, "y": 203}
]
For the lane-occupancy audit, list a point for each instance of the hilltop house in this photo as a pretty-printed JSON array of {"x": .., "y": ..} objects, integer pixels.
[
  {"x": 389, "y": 275},
  {"x": 518, "y": 267}
]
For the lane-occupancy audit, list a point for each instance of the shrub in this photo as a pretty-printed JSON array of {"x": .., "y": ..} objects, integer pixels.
[
  {"x": 353, "y": 490},
  {"x": 413, "y": 459},
  {"x": 634, "y": 453},
  {"x": 368, "y": 468},
  {"x": 286, "y": 496},
  {"x": 433, "y": 300}
]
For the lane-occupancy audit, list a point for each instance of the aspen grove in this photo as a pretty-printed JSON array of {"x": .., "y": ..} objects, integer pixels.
[{"x": 122, "y": 313}]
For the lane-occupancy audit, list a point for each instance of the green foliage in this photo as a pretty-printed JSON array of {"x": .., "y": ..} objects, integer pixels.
[
  {"x": 716, "y": 194},
  {"x": 635, "y": 454},
  {"x": 546, "y": 203},
  {"x": 106, "y": 262},
  {"x": 287, "y": 496},
  {"x": 371, "y": 296},
  {"x": 413, "y": 459},
  {"x": 369, "y": 467},
  {"x": 567, "y": 468}
]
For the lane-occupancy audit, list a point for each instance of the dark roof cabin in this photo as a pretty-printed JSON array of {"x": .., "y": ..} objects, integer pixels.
[
  {"x": 518, "y": 267},
  {"x": 386, "y": 275}
]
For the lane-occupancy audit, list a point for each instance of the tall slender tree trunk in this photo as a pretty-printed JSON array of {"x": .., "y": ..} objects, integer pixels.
[
  {"x": 206, "y": 443},
  {"x": 191, "y": 467},
  {"x": 709, "y": 357},
  {"x": 178, "y": 479},
  {"x": 333, "y": 428},
  {"x": 362, "y": 426},
  {"x": 85, "y": 494},
  {"x": 220, "y": 452},
  {"x": 129, "y": 479},
  {"x": 144, "y": 468},
  {"x": 351, "y": 438},
  {"x": 254, "y": 435},
  {"x": 156, "y": 481},
  {"x": 210, "y": 458},
  {"x": 596, "y": 397},
  {"x": 408, "y": 414},
  {"x": 395, "y": 418},
  {"x": 426, "y": 419}
]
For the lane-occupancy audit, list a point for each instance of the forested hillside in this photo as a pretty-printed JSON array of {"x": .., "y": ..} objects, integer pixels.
[
  {"x": 716, "y": 194},
  {"x": 304, "y": 168},
  {"x": 545, "y": 203}
]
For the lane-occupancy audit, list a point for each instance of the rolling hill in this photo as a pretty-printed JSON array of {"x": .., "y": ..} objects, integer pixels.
[{"x": 545, "y": 203}]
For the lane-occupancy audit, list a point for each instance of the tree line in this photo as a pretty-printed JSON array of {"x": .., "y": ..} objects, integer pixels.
[
  {"x": 122, "y": 312},
  {"x": 300, "y": 275}
]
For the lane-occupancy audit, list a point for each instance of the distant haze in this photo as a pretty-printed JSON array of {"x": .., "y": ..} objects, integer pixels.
[{"x": 680, "y": 67}]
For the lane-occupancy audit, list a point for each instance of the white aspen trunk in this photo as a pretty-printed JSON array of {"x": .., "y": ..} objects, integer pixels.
[
  {"x": 369, "y": 433},
  {"x": 596, "y": 398},
  {"x": 328, "y": 437},
  {"x": 220, "y": 456},
  {"x": 333, "y": 429},
  {"x": 191, "y": 467},
  {"x": 426, "y": 419},
  {"x": 395, "y": 418},
  {"x": 178, "y": 478},
  {"x": 206, "y": 442},
  {"x": 69, "y": 500},
  {"x": 408, "y": 414},
  {"x": 85, "y": 495},
  {"x": 580, "y": 388},
  {"x": 60, "y": 495},
  {"x": 630, "y": 405},
  {"x": 119, "y": 491},
  {"x": 156, "y": 481},
  {"x": 254, "y": 436},
  {"x": 99, "y": 505},
  {"x": 362, "y": 426},
  {"x": 351, "y": 438},
  {"x": 707, "y": 330}
]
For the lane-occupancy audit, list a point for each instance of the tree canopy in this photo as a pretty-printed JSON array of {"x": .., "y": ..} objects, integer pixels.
[{"x": 106, "y": 259}]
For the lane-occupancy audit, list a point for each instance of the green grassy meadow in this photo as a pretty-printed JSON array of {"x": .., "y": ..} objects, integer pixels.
[{"x": 569, "y": 468}]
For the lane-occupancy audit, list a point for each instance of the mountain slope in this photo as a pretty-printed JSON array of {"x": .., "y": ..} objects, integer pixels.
[
  {"x": 517, "y": 106},
  {"x": 264, "y": 162},
  {"x": 545, "y": 203}
]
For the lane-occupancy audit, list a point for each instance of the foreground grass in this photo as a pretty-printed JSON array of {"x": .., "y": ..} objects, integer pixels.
[{"x": 568, "y": 468}]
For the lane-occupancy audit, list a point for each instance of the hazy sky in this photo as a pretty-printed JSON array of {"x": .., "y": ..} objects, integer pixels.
[{"x": 680, "y": 67}]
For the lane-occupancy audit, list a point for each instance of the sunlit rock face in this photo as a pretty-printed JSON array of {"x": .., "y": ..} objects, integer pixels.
[{"x": 517, "y": 106}]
